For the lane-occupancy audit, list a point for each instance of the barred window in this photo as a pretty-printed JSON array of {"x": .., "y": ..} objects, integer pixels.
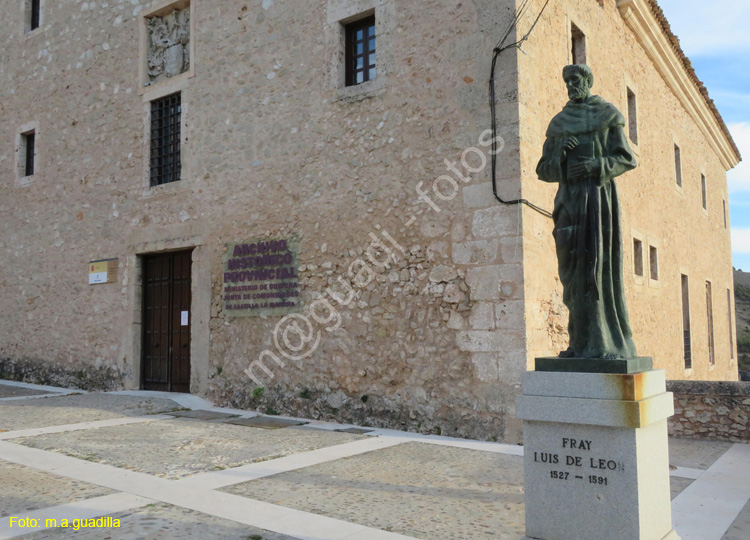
[
  {"x": 165, "y": 139},
  {"x": 32, "y": 14},
  {"x": 687, "y": 348},
  {"x": 360, "y": 51},
  {"x": 28, "y": 149},
  {"x": 35, "y": 11}
]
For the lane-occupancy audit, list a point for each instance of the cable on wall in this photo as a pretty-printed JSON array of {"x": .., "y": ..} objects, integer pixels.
[{"x": 499, "y": 48}]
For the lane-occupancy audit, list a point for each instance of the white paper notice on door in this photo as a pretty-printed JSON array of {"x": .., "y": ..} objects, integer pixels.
[{"x": 183, "y": 318}]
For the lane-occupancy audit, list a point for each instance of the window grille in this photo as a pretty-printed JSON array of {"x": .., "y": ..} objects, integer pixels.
[
  {"x": 165, "y": 140},
  {"x": 29, "y": 143},
  {"x": 687, "y": 349}
]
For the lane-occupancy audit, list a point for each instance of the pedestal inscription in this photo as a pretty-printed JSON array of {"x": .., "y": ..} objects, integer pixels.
[{"x": 577, "y": 467}]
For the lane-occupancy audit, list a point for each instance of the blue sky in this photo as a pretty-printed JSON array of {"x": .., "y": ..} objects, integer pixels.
[{"x": 714, "y": 36}]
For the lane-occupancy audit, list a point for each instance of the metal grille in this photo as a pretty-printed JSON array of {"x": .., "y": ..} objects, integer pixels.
[
  {"x": 30, "y": 139},
  {"x": 360, "y": 51},
  {"x": 165, "y": 140},
  {"x": 687, "y": 348},
  {"x": 710, "y": 317},
  {"x": 35, "y": 10},
  {"x": 731, "y": 334}
]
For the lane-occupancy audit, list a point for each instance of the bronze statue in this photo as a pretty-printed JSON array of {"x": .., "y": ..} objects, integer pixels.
[{"x": 585, "y": 150}]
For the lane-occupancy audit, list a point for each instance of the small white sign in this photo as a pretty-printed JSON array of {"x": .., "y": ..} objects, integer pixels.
[
  {"x": 98, "y": 277},
  {"x": 183, "y": 318}
]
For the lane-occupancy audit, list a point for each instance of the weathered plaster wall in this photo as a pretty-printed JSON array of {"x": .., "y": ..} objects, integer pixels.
[
  {"x": 272, "y": 146},
  {"x": 689, "y": 240}
]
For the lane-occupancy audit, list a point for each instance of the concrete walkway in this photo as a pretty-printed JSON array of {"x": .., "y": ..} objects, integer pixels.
[{"x": 174, "y": 466}]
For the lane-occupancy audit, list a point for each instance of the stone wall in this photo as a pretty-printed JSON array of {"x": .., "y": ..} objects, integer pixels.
[
  {"x": 272, "y": 146},
  {"x": 711, "y": 410}
]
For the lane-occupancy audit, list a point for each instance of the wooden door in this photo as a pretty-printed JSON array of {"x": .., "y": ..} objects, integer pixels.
[{"x": 166, "y": 322}]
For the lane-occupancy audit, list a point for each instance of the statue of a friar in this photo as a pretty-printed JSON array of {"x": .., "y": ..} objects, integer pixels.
[{"x": 585, "y": 150}]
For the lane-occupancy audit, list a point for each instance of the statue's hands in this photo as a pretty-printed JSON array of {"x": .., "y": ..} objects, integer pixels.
[
  {"x": 592, "y": 167},
  {"x": 588, "y": 168},
  {"x": 570, "y": 143}
]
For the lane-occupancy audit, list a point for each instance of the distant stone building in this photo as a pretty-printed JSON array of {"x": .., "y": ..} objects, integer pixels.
[{"x": 287, "y": 205}]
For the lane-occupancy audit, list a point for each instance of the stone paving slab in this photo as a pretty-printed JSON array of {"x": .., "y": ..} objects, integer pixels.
[
  {"x": 416, "y": 489},
  {"x": 73, "y": 409},
  {"x": 266, "y": 422},
  {"x": 7, "y": 391},
  {"x": 23, "y": 489},
  {"x": 740, "y": 529},
  {"x": 164, "y": 522},
  {"x": 677, "y": 485},
  {"x": 203, "y": 415},
  {"x": 696, "y": 454},
  {"x": 358, "y": 431},
  {"x": 181, "y": 447}
]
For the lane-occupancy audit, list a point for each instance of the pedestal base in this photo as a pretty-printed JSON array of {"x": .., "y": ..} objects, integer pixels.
[{"x": 596, "y": 462}]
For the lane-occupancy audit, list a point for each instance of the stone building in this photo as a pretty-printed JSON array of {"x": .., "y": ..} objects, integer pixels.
[{"x": 287, "y": 205}]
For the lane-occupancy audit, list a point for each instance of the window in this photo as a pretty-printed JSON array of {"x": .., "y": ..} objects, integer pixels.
[
  {"x": 26, "y": 153},
  {"x": 687, "y": 352},
  {"x": 578, "y": 45},
  {"x": 165, "y": 140},
  {"x": 731, "y": 334},
  {"x": 632, "y": 117},
  {"x": 678, "y": 165},
  {"x": 724, "y": 205},
  {"x": 703, "y": 190},
  {"x": 360, "y": 51},
  {"x": 710, "y": 321},
  {"x": 33, "y": 13},
  {"x": 653, "y": 260},
  {"x": 638, "y": 257}
]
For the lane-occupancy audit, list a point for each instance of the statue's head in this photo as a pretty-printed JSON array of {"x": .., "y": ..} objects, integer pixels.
[{"x": 579, "y": 79}]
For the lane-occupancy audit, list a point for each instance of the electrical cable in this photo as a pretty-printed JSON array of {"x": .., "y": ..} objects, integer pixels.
[{"x": 496, "y": 53}]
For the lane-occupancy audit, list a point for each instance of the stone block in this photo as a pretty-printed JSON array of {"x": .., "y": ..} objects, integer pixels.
[
  {"x": 488, "y": 341},
  {"x": 477, "y": 252},
  {"x": 511, "y": 249},
  {"x": 485, "y": 366},
  {"x": 482, "y": 316},
  {"x": 443, "y": 274},
  {"x": 495, "y": 222},
  {"x": 484, "y": 282},
  {"x": 595, "y": 385},
  {"x": 479, "y": 195}
]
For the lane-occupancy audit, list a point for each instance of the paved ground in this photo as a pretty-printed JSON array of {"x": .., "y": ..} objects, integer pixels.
[{"x": 195, "y": 475}]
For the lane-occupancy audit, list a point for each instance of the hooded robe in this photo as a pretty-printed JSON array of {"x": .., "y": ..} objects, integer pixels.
[{"x": 587, "y": 225}]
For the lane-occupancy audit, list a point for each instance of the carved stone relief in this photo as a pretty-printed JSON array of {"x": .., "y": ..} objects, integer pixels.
[{"x": 168, "y": 52}]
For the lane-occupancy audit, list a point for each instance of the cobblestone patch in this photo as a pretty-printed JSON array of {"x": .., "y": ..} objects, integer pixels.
[
  {"x": 696, "y": 454},
  {"x": 163, "y": 522},
  {"x": 183, "y": 447},
  {"x": 677, "y": 485},
  {"x": 740, "y": 529},
  {"x": 74, "y": 409},
  {"x": 420, "y": 490},
  {"x": 23, "y": 489},
  {"x": 19, "y": 391}
]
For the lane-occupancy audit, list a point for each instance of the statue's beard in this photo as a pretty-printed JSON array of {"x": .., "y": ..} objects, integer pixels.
[{"x": 578, "y": 92}]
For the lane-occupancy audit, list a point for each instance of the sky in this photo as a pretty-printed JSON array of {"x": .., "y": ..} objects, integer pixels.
[{"x": 714, "y": 36}]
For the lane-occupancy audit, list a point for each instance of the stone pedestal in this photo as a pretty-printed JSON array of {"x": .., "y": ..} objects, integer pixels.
[{"x": 595, "y": 456}]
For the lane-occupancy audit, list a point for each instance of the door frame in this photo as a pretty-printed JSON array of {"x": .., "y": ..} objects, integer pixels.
[
  {"x": 200, "y": 308},
  {"x": 170, "y": 330}
]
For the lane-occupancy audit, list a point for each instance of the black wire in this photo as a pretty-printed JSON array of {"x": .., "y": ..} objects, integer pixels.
[{"x": 496, "y": 53}]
